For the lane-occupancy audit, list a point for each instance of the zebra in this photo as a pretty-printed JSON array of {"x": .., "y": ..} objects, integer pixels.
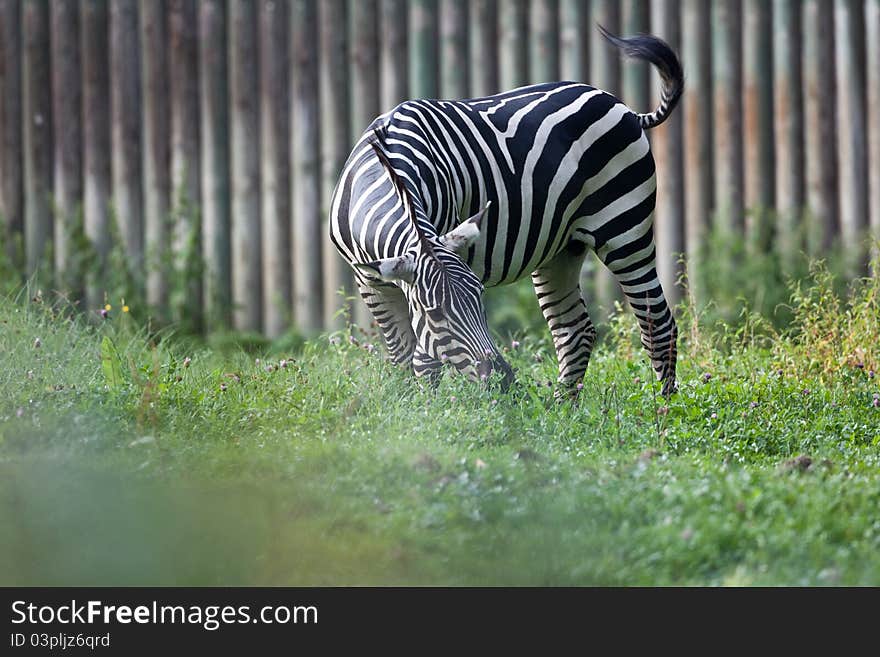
[{"x": 442, "y": 198}]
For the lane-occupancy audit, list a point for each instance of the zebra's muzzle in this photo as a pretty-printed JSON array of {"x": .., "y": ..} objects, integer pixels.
[{"x": 496, "y": 364}]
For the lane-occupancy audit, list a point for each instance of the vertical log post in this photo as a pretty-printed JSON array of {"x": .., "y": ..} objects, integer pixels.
[
  {"x": 423, "y": 64},
  {"x": 274, "y": 168},
  {"x": 245, "y": 130},
  {"x": 636, "y": 76},
  {"x": 11, "y": 163},
  {"x": 788, "y": 130},
  {"x": 393, "y": 64},
  {"x": 214, "y": 119},
  {"x": 820, "y": 128},
  {"x": 37, "y": 135},
  {"x": 484, "y": 71},
  {"x": 667, "y": 146},
  {"x": 513, "y": 27},
  {"x": 125, "y": 106},
  {"x": 156, "y": 159},
  {"x": 852, "y": 151},
  {"x": 454, "y": 47},
  {"x": 872, "y": 21},
  {"x": 96, "y": 142},
  {"x": 67, "y": 132},
  {"x": 335, "y": 145},
  {"x": 306, "y": 233},
  {"x": 544, "y": 41},
  {"x": 760, "y": 169},
  {"x": 698, "y": 119},
  {"x": 186, "y": 299}
]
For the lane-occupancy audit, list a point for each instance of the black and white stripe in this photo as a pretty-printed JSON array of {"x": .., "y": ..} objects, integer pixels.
[{"x": 562, "y": 168}]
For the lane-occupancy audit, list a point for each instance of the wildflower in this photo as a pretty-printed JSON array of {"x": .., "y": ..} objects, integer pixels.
[
  {"x": 187, "y": 361},
  {"x": 283, "y": 363},
  {"x": 484, "y": 378},
  {"x": 270, "y": 368},
  {"x": 370, "y": 348},
  {"x": 538, "y": 358},
  {"x": 30, "y": 374},
  {"x": 579, "y": 387},
  {"x": 514, "y": 345},
  {"x": 19, "y": 412},
  {"x": 222, "y": 387},
  {"x": 754, "y": 404},
  {"x": 104, "y": 313},
  {"x": 714, "y": 416},
  {"x": 637, "y": 380},
  {"x": 125, "y": 309},
  {"x": 663, "y": 410},
  {"x": 876, "y": 402},
  {"x": 108, "y": 307},
  {"x": 453, "y": 399},
  {"x": 860, "y": 366},
  {"x": 480, "y": 464},
  {"x": 805, "y": 391},
  {"x": 870, "y": 374},
  {"x": 443, "y": 358},
  {"x": 493, "y": 402},
  {"x": 334, "y": 340},
  {"x": 352, "y": 340},
  {"x": 706, "y": 377},
  {"x": 37, "y": 343}
]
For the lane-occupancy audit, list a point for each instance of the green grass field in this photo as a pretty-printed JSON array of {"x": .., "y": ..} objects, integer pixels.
[{"x": 128, "y": 460}]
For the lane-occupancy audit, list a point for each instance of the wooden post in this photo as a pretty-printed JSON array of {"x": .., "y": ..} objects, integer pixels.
[
  {"x": 307, "y": 235},
  {"x": 335, "y": 146},
  {"x": 245, "y": 147},
  {"x": 365, "y": 93},
  {"x": 96, "y": 142},
  {"x": 513, "y": 26},
  {"x": 484, "y": 71},
  {"x": 852, "y": 151},
  {"x": 727, "y": 93},
  {"x": 67, "y": 132},
  {"x": 698, "y": 122},
  {"x": 125, "y": 106},
  {"x": 185, "y": 174},
  {"x": 820, "y": 128},
  {"x": 214, "y": 119},
  {"x": 669, "y": 224},
  {"x": 574, "y": 40},
  {"x": 605, "y": 62},
  {"x": 275, "y": 171},
  {"x": 11, "y": 197},
  {"x": 636, "y": 76},
  {"x": 393, "y": 64},
  {"x": 37, "y": 134},
  {"x": 544, "y": 41},
  {"x": 156, "y": 159},
  {"x": 454, "y": 46},
  {"x": 760, "y": 168},
  {"x": 872, "y": 20},
  {"x": 788, "y": 130},
  {"x": 423, "y": 65}
]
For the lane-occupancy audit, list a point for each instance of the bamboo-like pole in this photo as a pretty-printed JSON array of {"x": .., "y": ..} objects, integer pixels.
[
  {"x": 820, "y": 125},
  {"x": 423, "y": 65},
  {"x": 513, "y": 27},
  {"x": 698, "y": 121},
  {"x": 669, "y": 226},
  {"x": 37, "y": 133},
  {"x": 11, "y": 192},
  {"x": 454, "y": 48},
  {"x": 214, "y": 119},
  {"x": 125, "y": 106},
  {"x": 852, "y": 131},
  {"x": 156, "y": 152},
  {"x": 788, "y": 130},
  {"x": 544, "y": 41},
  {"x": 67, "y": 132},
  {"x": 727, "y": 107},
  {"x": 96, "y": 141},
  {"x": 393, "y": 63},
  {"x": 484, "y": 69},
  {"x": 335, "y": 125},
  {"x": 274, "y": 167},
  {"x": 306, "y": 233},
  {"x": 636, "y": 76},
  {"x": 760, "y": 168},
  {"x": 245, "y": 168},
  {"x": 872, "y": 21}
]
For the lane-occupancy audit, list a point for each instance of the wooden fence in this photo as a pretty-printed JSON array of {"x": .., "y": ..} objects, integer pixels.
[{"x": 202, "y": 138}]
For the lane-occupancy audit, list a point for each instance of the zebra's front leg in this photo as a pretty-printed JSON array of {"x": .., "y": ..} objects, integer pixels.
[
  {"x": 557, "y": 285},
  {"x": 389, "y": 308}
]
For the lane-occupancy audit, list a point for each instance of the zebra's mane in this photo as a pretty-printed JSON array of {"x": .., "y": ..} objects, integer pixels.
[{"x": 406, "y": 198}]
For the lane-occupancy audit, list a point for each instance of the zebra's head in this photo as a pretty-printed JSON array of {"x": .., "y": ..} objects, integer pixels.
[{"x": 445, "y": 297}]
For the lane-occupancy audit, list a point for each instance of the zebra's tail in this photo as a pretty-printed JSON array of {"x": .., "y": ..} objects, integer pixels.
[{"x": 658, "y": 52}]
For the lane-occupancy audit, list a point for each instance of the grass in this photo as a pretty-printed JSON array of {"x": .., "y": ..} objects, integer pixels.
[{"x": 128, "y": 458}]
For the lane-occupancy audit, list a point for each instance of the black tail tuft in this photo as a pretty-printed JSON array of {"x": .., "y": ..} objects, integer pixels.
[{"x": 657, "y": 52}]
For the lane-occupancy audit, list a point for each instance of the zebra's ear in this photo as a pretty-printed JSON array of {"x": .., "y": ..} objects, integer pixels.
[
  {"x": 400, "y": 268},
  {"x": 463, "y": 235}
]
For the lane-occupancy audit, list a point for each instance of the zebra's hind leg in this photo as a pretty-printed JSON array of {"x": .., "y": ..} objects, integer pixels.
[
  {"x": 391, "y": 312},
  {"x": 635, "y": 269},
  {"x": 557, "y": 285}
]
